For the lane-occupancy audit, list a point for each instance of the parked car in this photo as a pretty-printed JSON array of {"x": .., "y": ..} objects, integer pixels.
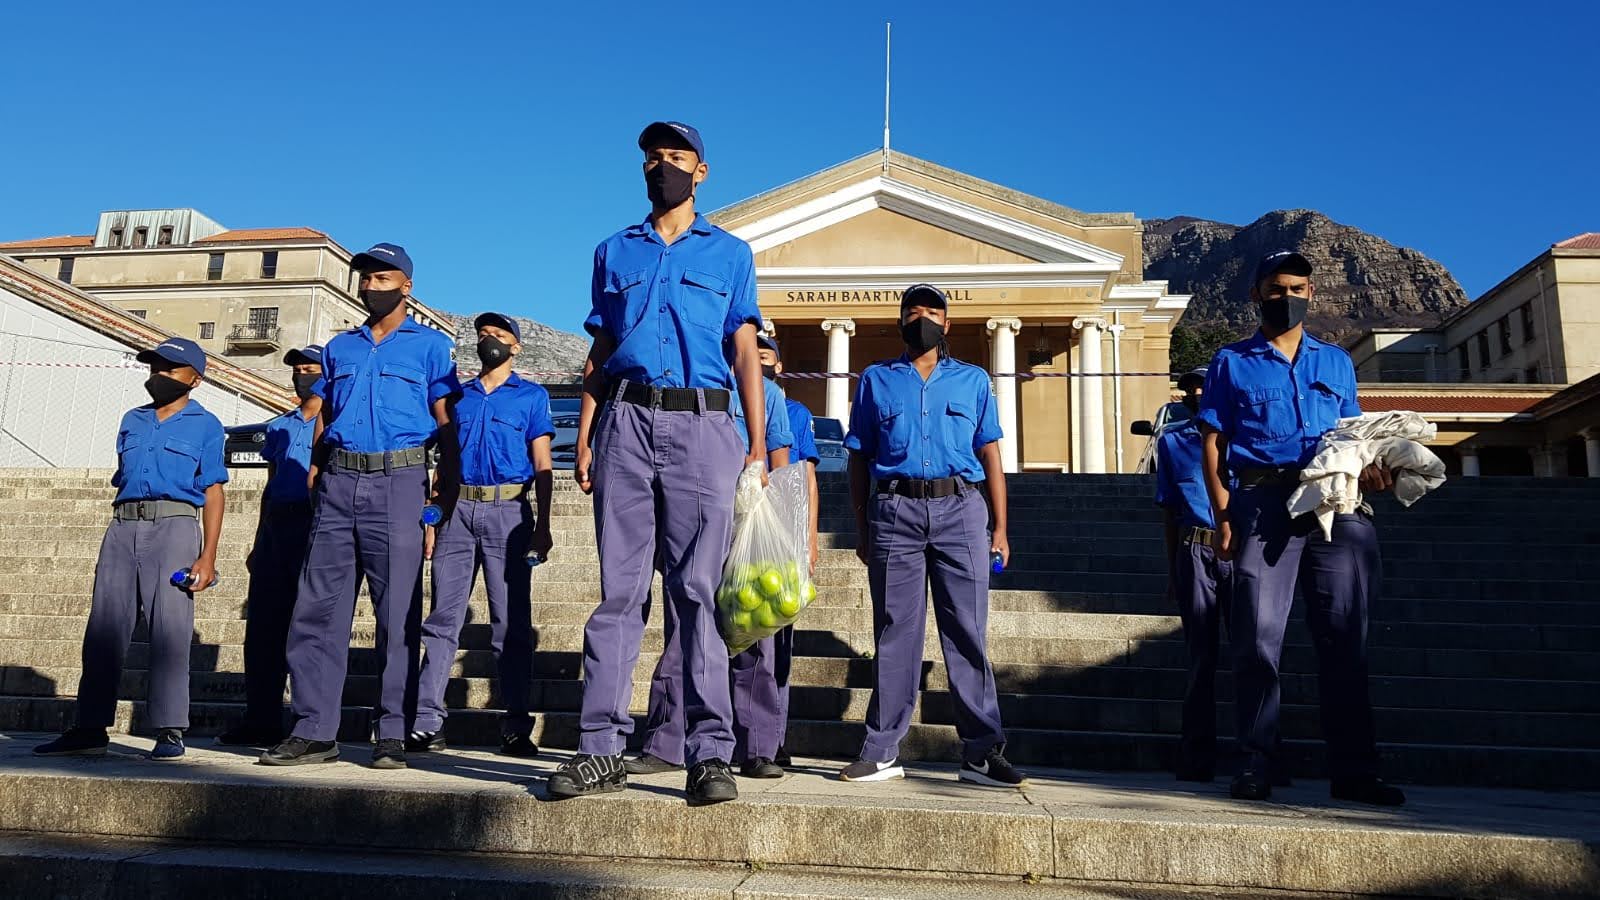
[
  {"x": 1167, "y": 416},
  {"x": 241, "y": 445},
  {"x": 829, "y": 434},
  {"x": 564, "y": 446}
]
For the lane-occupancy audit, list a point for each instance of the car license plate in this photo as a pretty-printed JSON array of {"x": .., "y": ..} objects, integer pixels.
[{"x": 245, "y": 457}]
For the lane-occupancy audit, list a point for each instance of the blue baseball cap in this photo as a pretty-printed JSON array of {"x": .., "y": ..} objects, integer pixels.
[
  {"x": 382, "y": 256},
  {"x": 768, "y": 341},
  {"x": 673, "y": 133},
  {"x": 1191, "y": 376},
  {"x": 924, "y": 295},
  {"x": 1280, "y": 261},
  {"x": 177, "y": 350},
  {"x": 310, "y": 353},
  {"x": 498, "y": 321}
]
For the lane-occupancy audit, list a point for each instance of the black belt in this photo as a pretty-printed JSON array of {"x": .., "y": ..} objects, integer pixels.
[
  {"x": 924, "y": 488},
  {"x": 151, "y": 510},
  {"x": 1263, "y": 476},
  {"x": 1194, "y": 534},
  {"x": 383, "y": 461},
  {"x": 671, "y": 399}
]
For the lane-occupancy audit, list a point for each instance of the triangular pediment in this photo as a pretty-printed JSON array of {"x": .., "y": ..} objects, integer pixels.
[{"x": 881, "y": 237}]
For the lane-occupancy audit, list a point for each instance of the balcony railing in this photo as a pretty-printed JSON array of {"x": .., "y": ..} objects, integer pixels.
[{"x": 254, "y": 337}]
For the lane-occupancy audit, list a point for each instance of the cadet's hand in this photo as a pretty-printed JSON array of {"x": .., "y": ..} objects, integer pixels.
[
  {"x": 1002, "y": 545},
  {"x": 1222, "y": 541},
  {"x": 580, "y": 469},
  {"x": 816, "y": 553},
  {"x": 542, "y": 542},
  {"x": 311, "y": 478},
  {"x": 427, "y": 541},
  {"x": 761, "y": 457},
  {"x": 203, "y": 571},
  {"x": 1376, "y": 479},
  {"x": 861, "y": 545}
]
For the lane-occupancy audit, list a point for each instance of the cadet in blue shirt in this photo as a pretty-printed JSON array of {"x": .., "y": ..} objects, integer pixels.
[
  {"x": 1268, "y": 401},
  {"x": 922, "y": 440},
  {"x": 503, "y": 428},
  {"x": 663, "y": 727},
  {"x": 167, "y": 517},
  {"x": 282, "y": 534},
  {"x": 1197, "y": 578},
  {"x": 385, "y": 387},
  {"x": 674, "y": 324}
]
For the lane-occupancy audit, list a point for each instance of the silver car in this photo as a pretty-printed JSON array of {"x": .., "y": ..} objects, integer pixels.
[{"x": 1167, "y": 416}]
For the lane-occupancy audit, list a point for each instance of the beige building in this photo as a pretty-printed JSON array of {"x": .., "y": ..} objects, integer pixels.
[
  {"x": 245, "y": 294},
  {"x": 1539, "y": 326},
  {"x": 1051, "y": 299}
]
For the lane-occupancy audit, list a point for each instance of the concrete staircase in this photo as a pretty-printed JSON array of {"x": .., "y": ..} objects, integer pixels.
[{"x": 1485, "y": 650}]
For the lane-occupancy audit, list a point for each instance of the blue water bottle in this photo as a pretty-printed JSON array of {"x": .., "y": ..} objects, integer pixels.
[
  {"x": 997, "y": 562},
  {"x": 432, "y": 514},
  {"x": 184, "y": 578},
  {"x": 534, "y": 558}
]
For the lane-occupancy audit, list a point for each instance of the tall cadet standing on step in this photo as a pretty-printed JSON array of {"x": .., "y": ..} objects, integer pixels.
[
  {"x": 1268, "y": 401},
  {"x": 674, "y": 306},
  {"x": 167, "y": 517},
  {"x": 1201, "y": 584},
  {"x": 386, "y": 384},
  {"x": 923, "y": 450},
  {"x": 282, "y": 533},
  {"x": 503, "y": 428},
  {"x": 663, "y": 736}
]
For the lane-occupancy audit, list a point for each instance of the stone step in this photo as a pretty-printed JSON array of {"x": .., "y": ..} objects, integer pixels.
[{"x": 1452, "y": 843}]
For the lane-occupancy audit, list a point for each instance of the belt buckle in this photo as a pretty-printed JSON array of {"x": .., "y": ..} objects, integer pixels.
[
  {"x": 145, "y": 511},
  {"x": 656, "y": 396}
]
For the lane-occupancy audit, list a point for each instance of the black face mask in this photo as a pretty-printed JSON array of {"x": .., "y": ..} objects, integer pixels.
[
  {"x": 164, "y": 390},
  {"x": 668, "y": 185},
  {"x": 381, "y": 303},
  {"x": 921, "y": 335},
  {"x": 304, "y": 382},
  {"x": 1282, "y": 315},
  {"x": 769, "y": 372},
  {"x": 492, "y": 352}
]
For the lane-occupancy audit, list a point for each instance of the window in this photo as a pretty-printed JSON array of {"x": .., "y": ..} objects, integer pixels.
[
  {"x": 208, "y": 330},
  {"x": 1526, "y": 312},
  {"x": 1483, "y": 347},
  {"x": 164, "y": 236},
  {"x": 141, "y": 237},
  {"x": 264, "y": 317},
  {"x": 1505, "y": 335},
  {"x": 269, "y": 264},
  {"x": 115, "y": 237},
  {"x": 1531, "y": 374},
  {"x": 137, "y": 312},
  {"x": 65, "y": 272},
  {"x": 1464, "y": 362},
  {"x": 214, "y": 267}
]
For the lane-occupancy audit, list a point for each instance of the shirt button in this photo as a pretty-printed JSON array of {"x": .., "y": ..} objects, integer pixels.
[
  {"x": 663, "y": 340},
  {"x": 926, "y": 463}
]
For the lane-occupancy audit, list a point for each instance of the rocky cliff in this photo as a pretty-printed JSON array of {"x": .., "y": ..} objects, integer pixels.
[{"x": 544, "y": 349}]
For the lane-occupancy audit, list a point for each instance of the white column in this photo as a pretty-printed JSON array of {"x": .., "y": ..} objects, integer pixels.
[
  {"x": 1116, "y": 330},
  {"x": 1591, "y": 451},
  {"x": 1093, "y": 427},
  {"x": 839, "y": 332},
  {"x": 1469, "y": 463},
  {"x": 1003, "y": 358}
]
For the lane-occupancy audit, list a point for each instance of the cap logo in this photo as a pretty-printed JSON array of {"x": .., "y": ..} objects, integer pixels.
[
  {"x": 384, "y": 250},
  {"x": 173, "y": 346}
]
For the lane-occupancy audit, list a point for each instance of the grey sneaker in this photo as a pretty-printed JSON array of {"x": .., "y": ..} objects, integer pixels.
[
  {"x": 866, "y": 770},
  {"x": 649, "y": 764}
]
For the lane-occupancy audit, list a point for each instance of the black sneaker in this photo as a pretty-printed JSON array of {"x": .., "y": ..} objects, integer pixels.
[
  {"x": 518, "y": 745},
  {"x": 993, "y": 770},
  {"x": 169, "y": 744},
  {"x": 390, "y": 753},
  {"x": 866, "y": 770},
  {"x": 1251, "y": 785},
  {"x": 782, "y": 757},
  {"x": 1367, "y": 790},
  {"x": 650, "y": 764},
  {"x": 76, "y": 742},
  {"x": 584, "y": 775},
  {"x": 711, "y": 782},
  {"x": 425, "y": 741},
  {"x": 250, "y": 736},
  {"x": 760, "y": 767},
  {"x": 297, "y": 751}
]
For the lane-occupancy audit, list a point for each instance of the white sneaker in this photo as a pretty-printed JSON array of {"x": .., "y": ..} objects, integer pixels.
[{"x": 866, "y": 770}]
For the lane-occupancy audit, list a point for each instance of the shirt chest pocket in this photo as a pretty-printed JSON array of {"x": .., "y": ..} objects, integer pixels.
[
  {"x": 704, "y": 299},
  {"x": 894, "y": 432},
  {"x": 507, "y": 445},
  {"x": 627, "y": 296},
  {"x": 344, "y": 380},
  {"x": 1326, "y": 400},
  {"x": 960, "y": 426},
  {"x": 179, "y": 463},
  {"x": 1267, "y": 414},
  {"x": 400, "y": 388}
]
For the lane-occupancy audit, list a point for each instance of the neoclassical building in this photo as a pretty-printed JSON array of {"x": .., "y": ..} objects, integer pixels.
[{"x": 1036, "y": 289}]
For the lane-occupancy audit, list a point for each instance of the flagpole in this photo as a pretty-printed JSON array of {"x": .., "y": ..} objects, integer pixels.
[{"x": 886, "y": 26}]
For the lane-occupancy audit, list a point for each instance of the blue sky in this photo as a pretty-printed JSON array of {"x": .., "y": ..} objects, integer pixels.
[{"x": 496, "y": 141}]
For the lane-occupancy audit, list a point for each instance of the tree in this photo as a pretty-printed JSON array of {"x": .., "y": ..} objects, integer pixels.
[{"x": 1194, "y": 345}]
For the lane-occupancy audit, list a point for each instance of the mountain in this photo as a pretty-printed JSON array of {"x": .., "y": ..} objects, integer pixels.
[
  {"x": 1362, "y": 281},
  {"x": 544, "y": 349}
]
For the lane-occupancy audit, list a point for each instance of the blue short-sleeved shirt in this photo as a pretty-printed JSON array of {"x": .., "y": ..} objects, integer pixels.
[
  {"x": 805, "y": 439},
  {"x": 495, "y": 429},
  {"x": 671, "y": 309},
  {"x": 379, "y": 395},
  {"x": 915, "y": 429},
  {"x": 1274, "y": 413},
  {"x": 288, "y": 448},
  {"x": 172, "y": 460},
  {"x": 1180, "y": 483},
  {"x": 778, "y": 432}
]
